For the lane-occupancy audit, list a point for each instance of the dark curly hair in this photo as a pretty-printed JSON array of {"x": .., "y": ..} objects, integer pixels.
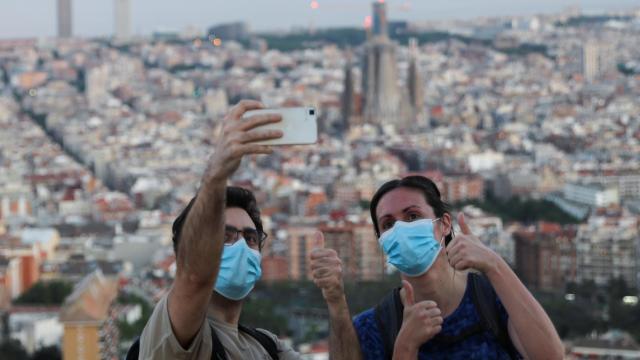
[{"x": 236, "y": 197}]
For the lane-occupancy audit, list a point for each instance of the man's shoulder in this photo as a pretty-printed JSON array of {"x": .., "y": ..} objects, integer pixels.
[
  {"x": 273, "y": 337},
  {"x": 160, "y": 307},
  {"x": 158, "y": 338},
  {"x": 268, "y": 333},
  {"x": 156, "y": 319},
  {"x": 155, "y": 330},
  {"x": 283, "y": 347}
]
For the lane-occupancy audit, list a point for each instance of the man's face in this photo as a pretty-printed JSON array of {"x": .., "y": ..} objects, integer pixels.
[{"x": 239, "y": 225}]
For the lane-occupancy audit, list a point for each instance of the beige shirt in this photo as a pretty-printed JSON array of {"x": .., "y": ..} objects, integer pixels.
[{"x": 158, "y": 342}]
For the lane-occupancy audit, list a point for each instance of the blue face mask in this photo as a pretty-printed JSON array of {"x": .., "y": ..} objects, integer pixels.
[
  {"x": 411, "y": 246},
  {"x": 239, "y": 270}
]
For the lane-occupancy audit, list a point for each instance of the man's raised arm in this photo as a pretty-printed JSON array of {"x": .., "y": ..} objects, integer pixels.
[{"x": 202, "y": 236}]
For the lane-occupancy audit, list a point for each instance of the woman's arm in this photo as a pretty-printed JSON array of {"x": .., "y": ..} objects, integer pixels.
[
  {"x": 528, "y": 322},
  {"x": 531, "y": 330}
]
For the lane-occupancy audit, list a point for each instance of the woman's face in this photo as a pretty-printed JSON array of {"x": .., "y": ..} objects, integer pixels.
[{"x": 408, "y": 204}]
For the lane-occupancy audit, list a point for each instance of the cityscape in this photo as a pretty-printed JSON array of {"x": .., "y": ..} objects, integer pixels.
[{"x": 529, "y": 125}]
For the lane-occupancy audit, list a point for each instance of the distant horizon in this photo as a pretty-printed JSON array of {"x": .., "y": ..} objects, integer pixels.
[{"x": 21, "y": 19}]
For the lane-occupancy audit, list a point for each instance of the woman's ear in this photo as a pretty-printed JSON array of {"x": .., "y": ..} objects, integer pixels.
[
  {"x": 447, "y": 230},
  {"x": 446, "y": 224}
]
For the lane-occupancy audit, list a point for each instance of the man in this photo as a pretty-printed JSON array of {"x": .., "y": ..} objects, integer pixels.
[{"x": 217, "y": 240}]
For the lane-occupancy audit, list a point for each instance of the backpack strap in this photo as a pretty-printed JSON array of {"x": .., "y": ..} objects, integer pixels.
[
  {"x": 134, "y": 350},
  {"x": 265, "y": 340},
  {"x": 217, "y": 350},
  {"x": 388, "y": 314},
  {"x": 485, "y": 300}
]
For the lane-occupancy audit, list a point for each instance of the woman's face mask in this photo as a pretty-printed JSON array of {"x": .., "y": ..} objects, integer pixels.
[{"x": 411, "y": 246}]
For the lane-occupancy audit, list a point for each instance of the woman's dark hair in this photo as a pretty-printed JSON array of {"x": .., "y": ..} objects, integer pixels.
[
  {"x": 236, "y": 197},
  {"x": 428, "y": 188}
]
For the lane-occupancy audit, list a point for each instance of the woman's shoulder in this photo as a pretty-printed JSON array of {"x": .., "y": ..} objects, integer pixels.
[{"x": 365, "y": 319}]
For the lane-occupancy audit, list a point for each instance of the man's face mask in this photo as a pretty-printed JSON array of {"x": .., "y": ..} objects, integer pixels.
[
  {"x": 411, "y": 246},
  {"x": 239, "y": 270}
]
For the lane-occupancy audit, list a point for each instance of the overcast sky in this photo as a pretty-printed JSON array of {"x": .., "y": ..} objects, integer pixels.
[{"x": 37, "y": 18}]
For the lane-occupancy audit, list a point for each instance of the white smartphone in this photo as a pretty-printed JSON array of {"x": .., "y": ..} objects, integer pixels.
[{"x": 299, "y": 125}]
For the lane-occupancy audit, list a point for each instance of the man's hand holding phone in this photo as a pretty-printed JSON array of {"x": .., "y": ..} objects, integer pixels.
[
  {"x": 240, "y": 136},
  {"x": 299, "y": 125}
]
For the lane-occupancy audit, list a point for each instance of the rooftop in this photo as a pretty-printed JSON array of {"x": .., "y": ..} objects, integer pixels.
[{"x": 90, "y": 299}]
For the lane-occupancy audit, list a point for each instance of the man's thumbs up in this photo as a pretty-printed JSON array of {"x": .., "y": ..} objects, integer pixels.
[
  {"x": 326, "y": 269},
  {"x": 318, "y": 241}
]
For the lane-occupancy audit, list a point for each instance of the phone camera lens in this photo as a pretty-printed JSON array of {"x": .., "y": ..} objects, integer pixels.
[{"x": 312, "y": 112}]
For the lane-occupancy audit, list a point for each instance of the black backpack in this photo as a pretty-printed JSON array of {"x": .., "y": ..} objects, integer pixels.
[
  {"x": 218, "y": 352},
  {"x": 389, "y": 312}
]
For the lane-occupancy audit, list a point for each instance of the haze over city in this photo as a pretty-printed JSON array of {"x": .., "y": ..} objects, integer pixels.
[{"x": 36, "y": 18}]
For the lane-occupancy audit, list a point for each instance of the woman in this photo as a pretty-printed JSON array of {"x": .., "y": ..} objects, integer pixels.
[{"x": 443, "y": 314}]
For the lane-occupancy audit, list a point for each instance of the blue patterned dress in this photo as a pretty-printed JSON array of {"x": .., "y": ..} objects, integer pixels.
[{"x": 483, "y": 345}]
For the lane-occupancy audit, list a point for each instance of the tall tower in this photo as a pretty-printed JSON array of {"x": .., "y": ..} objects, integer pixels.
[
  {"x": 380, "y": 24},
  {"x": 122, "y": 16},
  {"x": 597, "y": 60},
  {"x": 415, "y": 85},
  {"x": 348, "y": 95},
  {"x": 590, "y": 61},
  {"x": 382, "y": 100},
  {"x": 65, "y": 19}
]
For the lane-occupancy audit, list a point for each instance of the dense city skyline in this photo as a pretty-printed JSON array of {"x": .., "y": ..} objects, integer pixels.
[
  {"x": 530, "y": 127},
  {"x": 37, "y": 18}
]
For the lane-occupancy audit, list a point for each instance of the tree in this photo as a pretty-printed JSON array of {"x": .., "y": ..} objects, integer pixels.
[
  {"x": 522, "y": 210},
  {"x": 132, "y": 331},
  {"x": 262, "y": 313},
  {"x": 618, "y": 288},
  {"x": 13, "y": 350},
  {"x": 622, "y": 316},
  {"x": 587, "y": 290},
  {"x": 572, "y": 318},
  {"x": 47, "y": 353},
  {"x": 46, "y": 293}
]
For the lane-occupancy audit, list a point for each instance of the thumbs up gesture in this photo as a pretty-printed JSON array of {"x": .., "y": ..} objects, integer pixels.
[
  {"x": 420, "y": 322},
  {"x": 466, "y": 251},
  {"x": 326, "y": 269}
]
